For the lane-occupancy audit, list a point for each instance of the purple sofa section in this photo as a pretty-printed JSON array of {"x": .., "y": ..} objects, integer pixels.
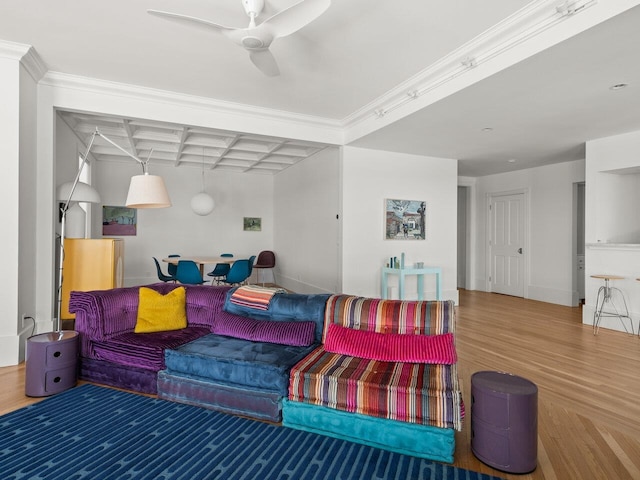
[
  {"x": 128, "y": 348},
  {"x": 112, "y": 354},
  {"x": 121, "y": 376}
]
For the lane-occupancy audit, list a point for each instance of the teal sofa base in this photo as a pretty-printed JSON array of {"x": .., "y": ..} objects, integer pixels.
[{"x": 421, "y": 441}]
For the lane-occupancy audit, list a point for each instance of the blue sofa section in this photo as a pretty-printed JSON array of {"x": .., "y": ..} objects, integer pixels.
[{"x": 240, "y": 376}]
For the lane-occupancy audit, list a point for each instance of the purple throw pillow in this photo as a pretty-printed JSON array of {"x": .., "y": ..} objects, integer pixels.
[{"x": 297, "y": 334}]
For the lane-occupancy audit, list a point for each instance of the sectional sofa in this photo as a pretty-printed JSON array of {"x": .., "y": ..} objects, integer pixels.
[{"x": 378, "y": 372}]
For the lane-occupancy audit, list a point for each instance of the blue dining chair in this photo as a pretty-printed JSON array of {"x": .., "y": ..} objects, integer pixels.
[
  {"x": 189, "y": 273},
  {"x": 238, "y": 273},
  {"x": 220, "y": 270},
  {"x": 161, "y": 276},
  {"x": 251, "y": 260},
  {"x": 173, "y": 267}
]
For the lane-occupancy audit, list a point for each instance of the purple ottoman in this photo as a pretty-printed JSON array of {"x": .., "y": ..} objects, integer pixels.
[
  {"x": 504, "y": 421},
  {"x": 52, "y": 360}
]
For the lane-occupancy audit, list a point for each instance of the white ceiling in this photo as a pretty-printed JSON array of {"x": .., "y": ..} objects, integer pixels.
[{"x": 541, "y": 110}]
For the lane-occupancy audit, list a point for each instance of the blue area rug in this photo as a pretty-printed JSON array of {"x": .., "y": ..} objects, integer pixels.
[{"x": 92, "y": 432}]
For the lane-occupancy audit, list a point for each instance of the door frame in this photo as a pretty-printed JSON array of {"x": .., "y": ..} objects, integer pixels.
[
  {"x": 473, "y": 253},
  {"x": 489, "y": 196}
]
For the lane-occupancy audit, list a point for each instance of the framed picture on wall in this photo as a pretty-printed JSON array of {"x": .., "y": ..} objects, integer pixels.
[
  {"x": 252, "y": 224},
  {"x": 405, "y": 219},
  {"x": 119, "y": 221}
]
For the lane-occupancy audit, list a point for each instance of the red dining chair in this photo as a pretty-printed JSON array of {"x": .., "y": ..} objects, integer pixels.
[{"x": 266, "y": 259}]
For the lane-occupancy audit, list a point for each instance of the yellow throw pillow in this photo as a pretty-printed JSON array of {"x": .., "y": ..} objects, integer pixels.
[{"x": 161, "y": 313}]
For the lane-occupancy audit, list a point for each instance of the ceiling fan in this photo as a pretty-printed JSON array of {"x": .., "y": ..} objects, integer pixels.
[{"x": 256, "y": 39}]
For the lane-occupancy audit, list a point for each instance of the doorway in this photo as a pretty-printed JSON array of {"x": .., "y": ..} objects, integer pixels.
[
  {"x": 462, "y": 257},
  {"x": 506, "y": 240},
  {"x": 578, "y": 243}
]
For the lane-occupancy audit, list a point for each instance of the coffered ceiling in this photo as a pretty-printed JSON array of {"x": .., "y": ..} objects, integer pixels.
[{"x": 183, "y": 146}]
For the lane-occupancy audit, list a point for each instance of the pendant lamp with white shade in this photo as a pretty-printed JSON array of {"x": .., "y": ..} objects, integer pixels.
[{"x": 202, "y": 203}]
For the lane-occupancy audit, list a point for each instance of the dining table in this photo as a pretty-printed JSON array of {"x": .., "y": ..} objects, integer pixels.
[{"x": 200, "y": 260}]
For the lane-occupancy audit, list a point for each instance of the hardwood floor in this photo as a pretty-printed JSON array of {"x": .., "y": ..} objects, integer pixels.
[{"x": 588, "y": 386}]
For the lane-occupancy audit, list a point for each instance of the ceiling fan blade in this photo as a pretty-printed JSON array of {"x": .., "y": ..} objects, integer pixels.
[
  {"x": 296, "y": 16},
  {"x": 265, "y": 61},
  {"x": 190, "y": 21}
]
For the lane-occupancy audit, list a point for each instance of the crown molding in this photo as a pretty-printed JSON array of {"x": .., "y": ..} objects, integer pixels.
[
  {"x": 538, "y": 25},
  {"x": 511, "y": 31},
  {"x": 12, "y": 50},
  {"x": 26, "y": 55},
  {"x": 332, "y": 128},
  {"x": 34, "y": 65}
]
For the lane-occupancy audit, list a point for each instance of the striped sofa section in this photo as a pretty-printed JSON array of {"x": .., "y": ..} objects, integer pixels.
[{"x": 419, "y": 393}]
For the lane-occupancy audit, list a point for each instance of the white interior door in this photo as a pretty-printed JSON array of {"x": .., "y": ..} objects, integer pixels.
[{"x": 507, "y": 244}]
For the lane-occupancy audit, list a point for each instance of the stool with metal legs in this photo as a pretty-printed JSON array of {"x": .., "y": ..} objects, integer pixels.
[{"x": 605, "y": 297}]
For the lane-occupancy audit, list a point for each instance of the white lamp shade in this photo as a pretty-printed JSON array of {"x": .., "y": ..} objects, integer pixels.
[
  {"x": 147, "y": 191},
  {"x": 82, "y": 193},
  {"x": 202, "y": 204}
]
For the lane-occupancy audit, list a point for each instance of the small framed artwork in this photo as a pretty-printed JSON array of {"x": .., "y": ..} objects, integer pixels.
[
  {"x": 252, "y": 224},
  {"x": 405, "y": 219},
  {"x": 119, "y": 221}
]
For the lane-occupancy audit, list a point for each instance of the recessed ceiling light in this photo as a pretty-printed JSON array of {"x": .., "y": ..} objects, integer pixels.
[
  {"x": 487, "y": 129},
  {"x": 512, "y": 160},
  {"x": 618, "y": 86}
]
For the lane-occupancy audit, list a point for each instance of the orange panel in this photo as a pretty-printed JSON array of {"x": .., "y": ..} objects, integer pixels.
[{"x": 91, "y": 264}]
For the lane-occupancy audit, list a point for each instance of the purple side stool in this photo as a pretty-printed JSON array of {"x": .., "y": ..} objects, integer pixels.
[
  {"x": 504, "y": 421},
  {"x": 52, "y": 362}
]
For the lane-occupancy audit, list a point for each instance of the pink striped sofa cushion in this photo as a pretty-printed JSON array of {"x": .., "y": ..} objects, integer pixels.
[{"x": 391, "y": 347}]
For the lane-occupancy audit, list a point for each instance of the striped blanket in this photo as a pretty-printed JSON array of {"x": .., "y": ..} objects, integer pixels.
[
  {"x": 253, "y": 296},
  {"x": 411, "y": 392}
]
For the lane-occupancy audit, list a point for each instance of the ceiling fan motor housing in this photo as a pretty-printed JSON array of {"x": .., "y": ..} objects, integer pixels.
[
  {"x": 253, "y": 7},
  {"x": 252, "y": 43}
]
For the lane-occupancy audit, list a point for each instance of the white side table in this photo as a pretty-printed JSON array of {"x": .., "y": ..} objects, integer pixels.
[{"x": 403, "y": 272}]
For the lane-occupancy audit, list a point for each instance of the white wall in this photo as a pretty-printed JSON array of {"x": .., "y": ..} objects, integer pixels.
[
  {"x": 307, "y": 204},
  {"x": 550, "y": 256},
  {"x": 612, "y": 221},
  {"x": 27, "y": 210},
  {"x": 370, "y": 177},
  {"x": 177, "y": 229},
  {"x": 18, "y": 153}
]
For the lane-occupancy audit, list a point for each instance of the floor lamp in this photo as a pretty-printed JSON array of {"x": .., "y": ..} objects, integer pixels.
[{"x": 145, "y": 191}]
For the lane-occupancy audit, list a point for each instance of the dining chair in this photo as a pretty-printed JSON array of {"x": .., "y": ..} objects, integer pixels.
[
  {"x": 161, "y": 275},
  {"x": 220, "y": 270},
  {"x": 188, "y": 273},
  {"x": 238, "y": 273},
  {"x": 173, "y": 267},
  {"x": 252, "y": 259},
  {"x": 266, "y": 259}
]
